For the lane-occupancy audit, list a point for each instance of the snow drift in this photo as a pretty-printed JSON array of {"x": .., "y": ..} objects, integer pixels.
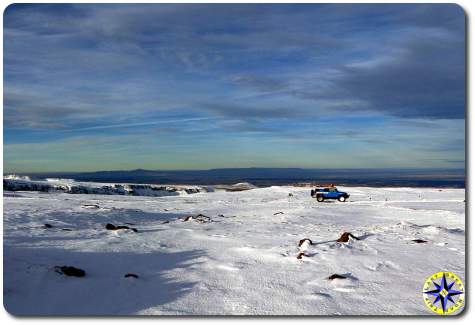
[{"x": 72, "y": 187}]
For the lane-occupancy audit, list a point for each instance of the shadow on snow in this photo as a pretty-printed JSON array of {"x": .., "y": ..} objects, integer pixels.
[{"x": 32, "y": 287}]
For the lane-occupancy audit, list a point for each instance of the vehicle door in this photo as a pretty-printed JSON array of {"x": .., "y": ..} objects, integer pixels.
[{"x": 333, "y": 193}]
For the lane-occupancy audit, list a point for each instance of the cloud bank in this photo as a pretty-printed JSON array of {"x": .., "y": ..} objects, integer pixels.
[{"x": 252, "y": 76}]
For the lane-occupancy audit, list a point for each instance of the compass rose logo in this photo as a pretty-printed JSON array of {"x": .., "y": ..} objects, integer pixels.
[{"x": 443, "y": 293}]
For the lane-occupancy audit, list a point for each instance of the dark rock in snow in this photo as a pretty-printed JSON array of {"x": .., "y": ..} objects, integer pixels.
[
  {"x": 301, "y": 254},
  {"x": 345, "y": 237},
  {"x": 131, "y": 275},
  {"x": 110, "y": 226},
  {"x": 302, "y": 241},
  {"x": 47, "y": 225},
  {"x": 70, "y": 271},
  {"x": 336, "y": 276},
  {"x": 419, "y": 241},
  {"x": 201, "y": 218},
  {"x": 125, "y": 227},
  {"x": 91, "y": 206},
  {"x": 67, "y": 229},
  {"x": 280, "y": 212}
]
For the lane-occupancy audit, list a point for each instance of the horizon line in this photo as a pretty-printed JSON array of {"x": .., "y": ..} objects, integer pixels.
[{"x": 230, "y": 168}]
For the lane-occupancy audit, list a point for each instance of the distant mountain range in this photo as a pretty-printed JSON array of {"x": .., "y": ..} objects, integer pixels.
[{"x": 275, "y": 176}]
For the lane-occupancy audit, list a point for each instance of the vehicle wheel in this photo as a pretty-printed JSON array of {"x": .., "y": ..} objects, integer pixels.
[
  {"x": 320, "y": 198},
  {"x": 342, "y": 199}
]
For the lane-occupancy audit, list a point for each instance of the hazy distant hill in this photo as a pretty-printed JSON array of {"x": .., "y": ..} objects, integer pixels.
[{"x": 277, "y": 176}]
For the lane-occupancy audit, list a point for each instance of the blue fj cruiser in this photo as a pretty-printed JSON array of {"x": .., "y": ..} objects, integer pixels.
[{"x": 329, "y": 193}]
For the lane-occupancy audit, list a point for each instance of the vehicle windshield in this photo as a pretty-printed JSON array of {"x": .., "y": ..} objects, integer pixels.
[{"x": 334, "y": 189}]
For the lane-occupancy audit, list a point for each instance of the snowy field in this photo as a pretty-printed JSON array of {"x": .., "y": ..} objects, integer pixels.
[{"x": 241, "y": 261}]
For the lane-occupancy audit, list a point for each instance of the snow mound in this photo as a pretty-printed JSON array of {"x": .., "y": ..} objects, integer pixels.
[
  {"x": 244, "y": 186},
  {"x": 18, "y": 177}
]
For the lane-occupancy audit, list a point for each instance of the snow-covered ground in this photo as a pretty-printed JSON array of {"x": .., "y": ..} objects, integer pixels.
[{"x": 244, "y": 261}]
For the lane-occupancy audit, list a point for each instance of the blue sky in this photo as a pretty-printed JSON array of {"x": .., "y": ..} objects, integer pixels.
[{"x": 191, "y": 86}]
